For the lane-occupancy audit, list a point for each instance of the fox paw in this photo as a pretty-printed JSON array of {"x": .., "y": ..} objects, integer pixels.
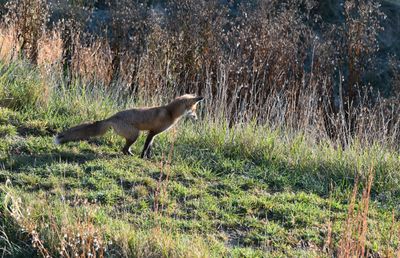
[{"x": 127, "y": 152}]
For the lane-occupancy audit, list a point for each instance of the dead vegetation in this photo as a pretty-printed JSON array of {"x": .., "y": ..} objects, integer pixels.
[{"x": 270, "y": 61}]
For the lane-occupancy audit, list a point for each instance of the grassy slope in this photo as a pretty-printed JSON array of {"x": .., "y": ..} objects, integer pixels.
[{"x": 247, "y": 191}]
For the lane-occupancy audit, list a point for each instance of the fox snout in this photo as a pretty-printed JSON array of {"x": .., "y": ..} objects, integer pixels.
[
  {"x": 199, "y": 98},
  {"x": 192, "y": 115}
]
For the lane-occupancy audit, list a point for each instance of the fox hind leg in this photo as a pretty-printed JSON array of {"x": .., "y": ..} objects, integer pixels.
[
  {"x": 129, "y": 133},
  {"x": 129, "y": 141}
]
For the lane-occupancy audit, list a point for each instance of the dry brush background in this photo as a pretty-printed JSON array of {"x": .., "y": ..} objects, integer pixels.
[{"x": 325, "y": 67}]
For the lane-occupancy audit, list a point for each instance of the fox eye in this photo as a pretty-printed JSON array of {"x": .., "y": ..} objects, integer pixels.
[{"x": 189, "y": 104}]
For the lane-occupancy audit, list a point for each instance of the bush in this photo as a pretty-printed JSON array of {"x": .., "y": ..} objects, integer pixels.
[{"x": 21, "y": 87}]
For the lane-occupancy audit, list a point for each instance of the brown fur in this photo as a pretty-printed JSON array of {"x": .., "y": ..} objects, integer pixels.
[{"x": 129, "y": 123}]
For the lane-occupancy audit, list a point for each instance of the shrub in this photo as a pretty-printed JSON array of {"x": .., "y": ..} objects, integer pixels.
[{"x": 21, "y": 87}]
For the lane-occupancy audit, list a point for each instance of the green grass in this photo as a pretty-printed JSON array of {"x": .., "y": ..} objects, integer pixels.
[{"x": 243, "y": 192}]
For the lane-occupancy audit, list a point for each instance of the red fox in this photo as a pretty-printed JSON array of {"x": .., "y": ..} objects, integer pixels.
[{"x": 129, "y": 123}]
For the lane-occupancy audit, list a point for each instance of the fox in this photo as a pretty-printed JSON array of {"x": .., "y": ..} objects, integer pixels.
[{"x": 129, "y": 123}]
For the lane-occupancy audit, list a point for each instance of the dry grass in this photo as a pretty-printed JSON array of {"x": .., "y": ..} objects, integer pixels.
[
  {"x": 66, "y": 232},
  {"x": 354, "y": 236},
  {"x": 50, "y": 51},
  {"x": 8, "y": 44},
  {"x": 72, "y": 236}
]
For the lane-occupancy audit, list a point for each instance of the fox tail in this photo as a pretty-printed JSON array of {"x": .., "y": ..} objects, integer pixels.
[{"x": 83, "y": 132}]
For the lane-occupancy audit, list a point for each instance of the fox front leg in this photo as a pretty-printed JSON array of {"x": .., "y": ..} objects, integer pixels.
[{"x": 147, "y": 145}]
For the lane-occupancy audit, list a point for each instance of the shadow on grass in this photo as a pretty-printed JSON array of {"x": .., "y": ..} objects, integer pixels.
[
  {"x": 266, "y": 170},
  {"x": 15, "y": 243},
  {"x": 318, "y": 176},
  {"x": 17, "y": 162}
]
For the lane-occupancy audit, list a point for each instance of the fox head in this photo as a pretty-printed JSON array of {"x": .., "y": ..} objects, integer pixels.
[
  {"x": 187, "y": 105},
  {"x": 191, "y": 112}
]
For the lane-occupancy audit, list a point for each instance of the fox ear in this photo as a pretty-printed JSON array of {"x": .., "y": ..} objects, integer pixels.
[{"x": 199, "y": 98}]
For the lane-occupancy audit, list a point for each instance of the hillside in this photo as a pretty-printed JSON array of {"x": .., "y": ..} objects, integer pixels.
[
  {"x": 296, "y": 152},
  {"x": 209, "y": 191}
]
